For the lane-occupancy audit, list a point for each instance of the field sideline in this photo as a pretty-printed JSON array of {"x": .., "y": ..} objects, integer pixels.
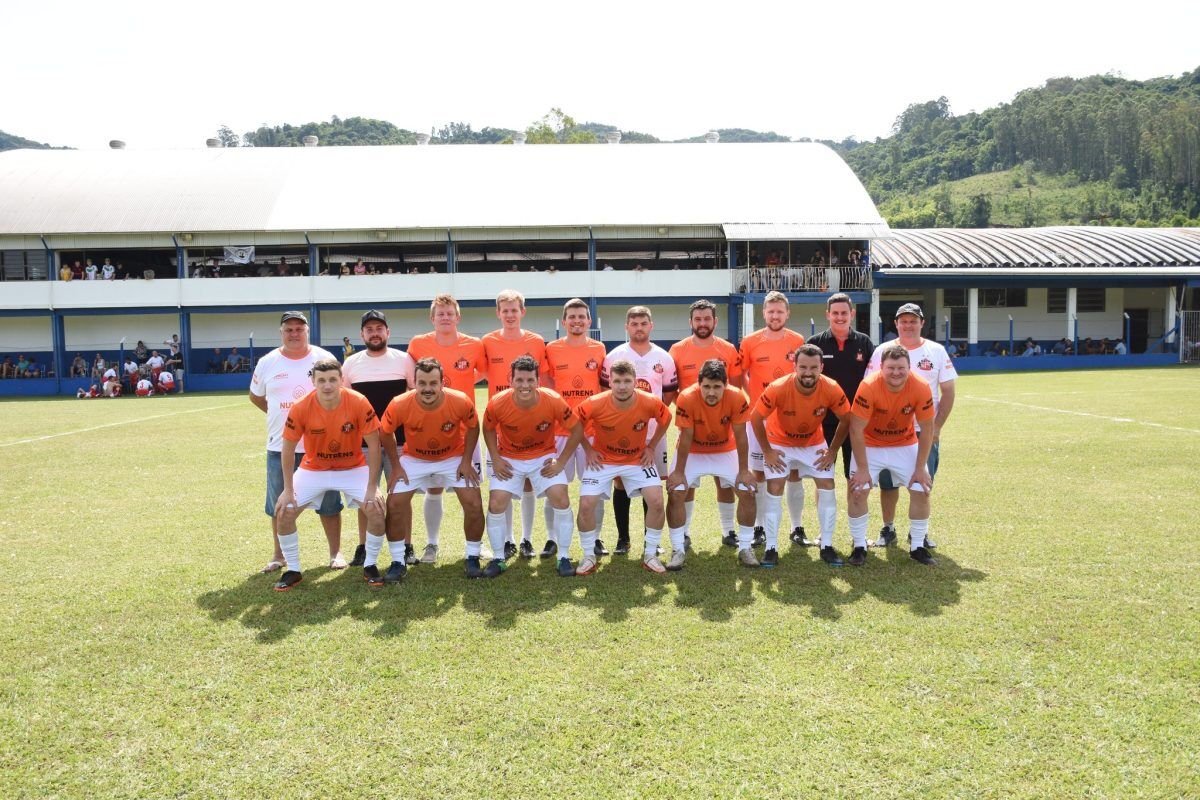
[{"x": 1053, "y": 653}]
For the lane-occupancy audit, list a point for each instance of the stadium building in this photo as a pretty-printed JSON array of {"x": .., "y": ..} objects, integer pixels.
[{"x": 336, "y": 230}]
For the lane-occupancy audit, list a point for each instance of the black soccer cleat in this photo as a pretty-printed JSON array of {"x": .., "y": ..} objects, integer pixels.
[
  {"x": 622, "y": 547},
  {"x": 858, "y": 556},
  {"x": 494, "y": 568},
  {"x": 565, "y": 568},
  {"x": 831, "y": 557},
  {"x": 360, "y": 556},
  {"x": 687, "y": 542},
  {"x": 287, "y": 580},
  {"x": 526, "y": 549},
  {"x": 798, "y": 536},
  {"x": 760, "y": 538},
  {"x": 410, "y": 554},
  {"x": 887, "y": 536},
  {"x": 730, "y": 539},
  {"x": 510, "y": 550},
  {"x": 600, "y": 549},
  {"x": 770, "y": 558},
  {"x": 929, "y": 545},
  {"x": 395, "y": 573},
  {"x": 372, "y": 577},
  {"x": 922, "y": 556},
  {"x": 473, "y": 568},
  {"x": 550, "y": 550}
]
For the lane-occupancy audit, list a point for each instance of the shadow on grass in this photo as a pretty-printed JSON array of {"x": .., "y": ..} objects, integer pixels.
[{"x": 712, "y": 584}]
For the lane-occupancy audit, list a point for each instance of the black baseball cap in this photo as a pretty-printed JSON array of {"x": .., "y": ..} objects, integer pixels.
[
  {"x": 293, "y": 315},
  {"x": 373, "y": 315},
  {"x": 910, "y": 308}
]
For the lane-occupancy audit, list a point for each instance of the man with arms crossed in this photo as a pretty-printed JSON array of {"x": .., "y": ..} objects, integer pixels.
[
  {"x": 334, "y": 422},
  {"x": 883, "y": 438},
  {"x": 461, "y": 358},
  {"x": 441, "y": 434},
  {"x": 931, "y": 361},
  {"x": 281, "y": 378},
  {"x": 787, "y": 422},
  {"x": 518, "y": 429},
  {"x": 378, "y": 373},
  {"x": 620, "y": 420},
  {"x": 711, "y": 416},
  {"x": 767, "y": 355},
  {"x": 500, "y": 349},
  {"x": 574, "y": 363},
  {"x": 655, "y": 373},
  {"x": 689, "y": 356}
]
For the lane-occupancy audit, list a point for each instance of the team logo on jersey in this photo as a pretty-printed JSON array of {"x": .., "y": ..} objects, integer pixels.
[
  {"x": 577, "y": 382},
  {"x": 335, "y": 446},
  {"x": 623, "y": 442},
  {"x": 447, "y": 427},
  {"x": 658, "y": 368},
  {"x": 299, "y": 391},
  {"x": 462, "y": 364},
  {"x": 791, "y": 356},
  {"x": 818, "y": 411},
  {"x": 725, "y": 420},
  {"x": 857, "y": 356},
  {"x": 925, "y": 364},
  {"x": 778, "y": 372},
  {"x": 591, "y": 365},
  {"x": 543, "y": 425},
  {"x": 642, "y": 384},
  {"x": 640, "y": 425},
  {"x": 349, "y": 426},
  {"x": 527, "y": 441},
  {"x": 906, "y": 410},
  {"x": 435, "y": 444}
]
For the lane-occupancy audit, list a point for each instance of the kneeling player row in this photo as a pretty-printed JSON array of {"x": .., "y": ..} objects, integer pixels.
[{"x": 535, "y": 441}]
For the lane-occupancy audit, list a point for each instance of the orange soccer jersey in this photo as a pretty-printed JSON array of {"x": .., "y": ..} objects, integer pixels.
[
  {"x": 332, "y": 438},
  {"x": 712, "y": 426},
  {"x": 794, "y": 419},
  {"x": 575, "y": 371},
  {"x": 500, "y": 353},
  {"x": 620, "y": 433},
  {"x": 526, "y": 433},
  {"x": 889, "y": 414},
  {"x": 689, "y": 359},
  {"x": 459, "y": 361},
  {"x": 431, "y": 435},
  {"x": 765, "y": 360}
]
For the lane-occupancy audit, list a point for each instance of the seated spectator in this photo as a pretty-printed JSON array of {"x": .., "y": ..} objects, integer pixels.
[
  {"x": 432, "y": 270},
  {"x": 98, "y": 366},
  {"x": 513, "y": 268},
  {"x": 413, "y": 270},
  {"x": 263, "y": 271},
  {"x": 774, "y": 259},
  {"x": 371, "y": 269},
  {"x": 344, "y": 270},
  {"x": 1119, "y": 348},
  {"x": 78, "y": 367},
  {"x": 607, "y": 268},
  {"x": 141, "y": 352},
  {"x": 198, "y": 271},
  {"x": 1060, "y": 347},
  {"x": 107, "y": 270},
  {"x": 952, "y": 349},
  {"x": 144, "y": 388},
  {"x": 8, "y": 369},
  {"x": 638, "y": 268},
  {"x": 995, "y": 350},
  {"x": 65, "y": 273},
  {"x": 122, "y": 273},
  {"x": 1031, "y": 348},
  {"x": 166, "y": 382},
  {"x": 553, "y": 270},
  {"x": 214, "y": 269},
  {"x": 217, "y": 362},
  {"x": 22, "y": 365},
  {"x": 360, "y": 268},
  {"x": 233, "y": 362},
  {"x": 1091, "y": 348}
]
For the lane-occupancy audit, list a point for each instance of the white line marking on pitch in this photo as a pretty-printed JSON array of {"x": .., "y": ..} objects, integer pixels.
[
  {"x": 1083, "y": 414},
  {"x": 115, "y": 424}
]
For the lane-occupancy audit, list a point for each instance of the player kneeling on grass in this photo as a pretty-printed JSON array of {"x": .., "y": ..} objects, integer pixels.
[
  {"x": 711, "y": 417},
  {"x": 883, "y": 440},
  {"x": 618, "y": 420},
  {"x": 518, "y": 429},
  {"x": 333, "y": 423},
  {"x": 441, "y": 430},
  {"x": 787, "y": 422}
]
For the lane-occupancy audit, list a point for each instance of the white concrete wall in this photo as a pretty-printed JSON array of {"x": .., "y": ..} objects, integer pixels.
[
  {"x": 234, "y": 330},
  {"x": 105, "y": 332},
  {"x": 25, "y": 333}
]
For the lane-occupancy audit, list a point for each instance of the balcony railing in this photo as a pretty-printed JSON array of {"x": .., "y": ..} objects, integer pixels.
[{"x": 802, "y": 278}]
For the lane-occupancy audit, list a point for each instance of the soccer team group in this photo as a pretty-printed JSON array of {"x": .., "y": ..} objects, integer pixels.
[{"x": 758, "y": 420}]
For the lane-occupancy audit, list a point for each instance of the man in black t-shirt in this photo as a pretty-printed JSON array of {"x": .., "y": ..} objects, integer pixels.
[{"x": 846, "y": 355}]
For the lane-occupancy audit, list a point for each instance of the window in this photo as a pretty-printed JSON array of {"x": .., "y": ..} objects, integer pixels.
[
  {"x": 1056, "y": 301},
  {"x": 22, "y": 265},
  {"x": 954, "y": 298},
  {"x": 1086, "y": 300},
  {"x": 1002, "y": 298}
]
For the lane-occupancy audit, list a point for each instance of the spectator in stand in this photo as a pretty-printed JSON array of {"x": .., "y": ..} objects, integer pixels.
[
  {"x": 344, "y": 270},
  {"x": 1119, "y": 348},
  {"x": 432, "y": 270},
  {"x": 90, "y": 271},
  {"x": 413, "y": 270},
  {"x": 233, "y": 362},
  {"x": 98, "y": 367},
  {"x": 1091, "y": 348},
  {"x": 8, "y": 369},
  {"x": 1031, "y": 348},
  {"x": 360, "y": 268},
  {"x": 144, "y": 387},
  {"x": 513, "y": 268},
  {"x": 281, "y": 269},
  {"x": 264, "y": 270},
  {"x": 1061, "y": 347},
  {"x": 952, "y": 349},
  {"x": 552, "y": 271},
  {"x": 638, "y": 268},
  {"x": 215, "y": 269},
  {"x": 122, "y": 273},
  {"x": 166, "y": 382},
  {"x": 607, "y": 268},
  {"x": 77, "y": 271},
  {"x": 371, "y": 269},
  {"x": 22, "y": 365},
  {"x": 107, "y": 270},
  {"x": 65, "y": 273},
  {"x": 141, "y": 352},
  {"x": 79, "y": 367},
  {"x": 33, "y": 369},
  {"x": 198, "y": 271},
  {"x": 347, "y": 348},
  {"x": 217, "y": 362}
]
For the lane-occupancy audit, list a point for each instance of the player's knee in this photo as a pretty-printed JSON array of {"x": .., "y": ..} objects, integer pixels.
[
  {"x": 823, "y": 483},
  {"x": 498, "y": 502}
]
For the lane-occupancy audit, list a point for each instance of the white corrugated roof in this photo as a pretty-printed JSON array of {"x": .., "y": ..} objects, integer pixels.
[{"x": 409, "y": 187}]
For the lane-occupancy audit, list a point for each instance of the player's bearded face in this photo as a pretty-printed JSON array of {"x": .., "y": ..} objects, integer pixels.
[
  {"x": 711, "y": 391},
  {"x": 622, "y": 386},
  {"x": 808, "y": 369},
  {"x": 524, "y": 384},
  {"x": 775, "y": 315},
  {"x": 375, "y": 336},
  {"x": 703, "y": 323},
  {"x": 639, "y": 329},
  {"x": 429, "y": 387}
]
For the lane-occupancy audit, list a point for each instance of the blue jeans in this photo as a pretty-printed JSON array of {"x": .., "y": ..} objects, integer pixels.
[
  {"x": 331, "y": 504},
  {"x": 932, "y": 463}
]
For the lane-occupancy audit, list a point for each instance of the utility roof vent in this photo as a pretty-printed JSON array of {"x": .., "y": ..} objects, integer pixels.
[
  {"x": 712, "y": 137},
  {"x": 117, "y": 144},
  {"x": 422, "y": 138},
  {"x": 213, "y": 143},
  {"x": 310, "y": 141},
  {"x": 613, "y": 137},
  {"x": 519, "y": 137}
]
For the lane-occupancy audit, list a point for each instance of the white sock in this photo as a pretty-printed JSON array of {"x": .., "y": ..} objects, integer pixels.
[
  {"x": 396, "y": 548},
  {"x": 433, "y": 518},
  {"x": 528, "y": 512},
  {"x": 473, "y": 549},
  {"x": 689, "y": 508},
  {"x": 760, "y": 510},
  {"x": 496, "y": 529},
  {"x": 827, "y": 514},
  {"x": 508, "y": 525},
  {"x": 289, "y": 543},
  {"x": 795, "y": 501},
  {"x": 563, "y": 529},
  {"x": 677, "y": 540},
  {"x": 771, "y": 518},
  {"x": 745, "y": 537},
  {"x": 587, "y": 540},
  {"x": 726, "y": 512},
  {"x": 653, "y": 539},
  {"x": 858, "y": 530},
  {"x": 548, "y": 518},
  {"x": 917, "y": 529},
  {"x": 374, "y": 545}
]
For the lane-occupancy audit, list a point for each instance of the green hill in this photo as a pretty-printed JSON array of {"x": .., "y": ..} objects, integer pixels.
[{"x": 10, "y": 141}]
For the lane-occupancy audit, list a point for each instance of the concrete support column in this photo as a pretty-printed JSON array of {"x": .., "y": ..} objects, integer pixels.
[
  {"x": 314, "y": 259},
  {"x": 1072, "y": 313},
  {"x": 973, "y": 321},
  {"x": 747, "y": 319},
  {"x": 876, "y": 331},
  {"x": 1169, "y": 315}
]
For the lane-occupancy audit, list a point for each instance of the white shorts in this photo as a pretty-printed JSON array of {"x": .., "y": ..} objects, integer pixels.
[
  {"x": 525, "y": 469},
  {"x": 900, "y": 461},
  {"x": 634, "y": 477},
  {"x": 310, "y": 485},
  {"x": 424, "y": 475},
  {"x": 722, "y": 466},
  {"x": 755, "y": 459},
  {"x": 801, "y": 459},
  {"x": 578, "y": 463}
]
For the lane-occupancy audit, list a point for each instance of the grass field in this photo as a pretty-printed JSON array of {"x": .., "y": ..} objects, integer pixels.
[{"x": 1053, "y": 653}]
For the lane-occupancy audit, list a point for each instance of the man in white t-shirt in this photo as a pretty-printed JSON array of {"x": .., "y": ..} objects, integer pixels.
[
  {"x": 91, "y": 271},
  {"x": 931, "y": 361},
  {"x": 144, "y": 388},
  {"x": 379, "y": 373},
  {"x": 281, "y": 378},
  {"x": 107, "y": 270},
  {"x": 155, "y": 361},
  {"x": 655, "y": 373}
]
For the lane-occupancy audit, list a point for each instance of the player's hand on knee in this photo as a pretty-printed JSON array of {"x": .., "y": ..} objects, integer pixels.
[
  {"x": 773, "y": 460},
  {"x": 745, "y": 481},
  {"x": 501, "y": 468},
  {"x": 286, "y": 502},
  {"x": 467, "y": 471},
  {"x": 551, "y": 468},
  {"x": 921, "y": 477},
  {"x": 825, "y": 459}
]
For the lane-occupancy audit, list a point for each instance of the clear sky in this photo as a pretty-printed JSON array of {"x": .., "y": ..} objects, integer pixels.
[{"x": 164, "y": 74}]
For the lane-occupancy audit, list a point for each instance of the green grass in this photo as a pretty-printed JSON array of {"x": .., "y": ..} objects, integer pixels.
[{"x": 1053, "y": 653}]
